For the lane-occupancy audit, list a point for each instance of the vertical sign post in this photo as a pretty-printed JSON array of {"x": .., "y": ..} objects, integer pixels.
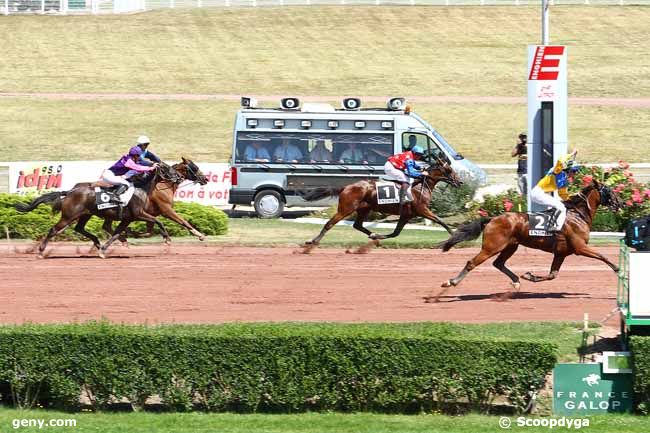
[{"x": 547, "y": 110}]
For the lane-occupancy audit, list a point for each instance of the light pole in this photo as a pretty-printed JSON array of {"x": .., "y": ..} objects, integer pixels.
[{"x": 545, "y": 4}]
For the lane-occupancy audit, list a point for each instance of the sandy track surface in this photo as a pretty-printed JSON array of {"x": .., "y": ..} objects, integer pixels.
[{"x": 213, "y": 284}]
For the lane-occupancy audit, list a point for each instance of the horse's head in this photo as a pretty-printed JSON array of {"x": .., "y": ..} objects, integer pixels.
[
  {"x": 168, "y": 173},
  {"x": 191, "y": 171},
  {"x": 598, "y": 194},
  {"x": 608, "y": 197},
  {"x": 444, "y": 173}
]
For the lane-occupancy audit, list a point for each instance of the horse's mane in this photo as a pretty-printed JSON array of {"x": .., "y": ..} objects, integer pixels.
[{"x": 579, "y": 198}]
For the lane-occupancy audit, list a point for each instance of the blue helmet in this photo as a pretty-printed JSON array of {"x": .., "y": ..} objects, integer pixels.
[{"x": 417, "y": 150}]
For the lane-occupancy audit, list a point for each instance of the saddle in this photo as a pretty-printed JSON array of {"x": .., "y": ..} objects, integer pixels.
[{"x": 105, "y": 197}]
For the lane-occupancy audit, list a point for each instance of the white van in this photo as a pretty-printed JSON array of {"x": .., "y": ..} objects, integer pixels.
[{"x": 280, "y": 153}]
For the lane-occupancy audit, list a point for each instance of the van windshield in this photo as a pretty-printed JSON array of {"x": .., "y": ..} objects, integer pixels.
[
  {"x": 313, "y": 148},
  {"x": 439, "y": 138}
]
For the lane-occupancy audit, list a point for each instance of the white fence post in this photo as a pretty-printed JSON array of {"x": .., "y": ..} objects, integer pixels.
[
  {"x": 199, "y": 4},
  {"x": 42, "y": 6},
  {"x": 6, "y": 7}
]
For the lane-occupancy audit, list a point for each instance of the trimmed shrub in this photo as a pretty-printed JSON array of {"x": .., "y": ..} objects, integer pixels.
[
  {"x": 640, "y": 348},
  {"x": 35, "y": 224},
  {"x": 250, "y": 368},
  {"x": 447, "y": 200}
]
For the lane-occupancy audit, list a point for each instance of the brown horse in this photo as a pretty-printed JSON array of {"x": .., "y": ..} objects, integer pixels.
[
  {"x": 79, "y": 205},
  {"x": 503, "y": 234},
  {"x": 161, "y": 200},
  {"x": 361, "y": 197}
]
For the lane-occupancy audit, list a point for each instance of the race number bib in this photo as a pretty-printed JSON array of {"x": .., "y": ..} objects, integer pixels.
[{"x": 387, "y": 193}]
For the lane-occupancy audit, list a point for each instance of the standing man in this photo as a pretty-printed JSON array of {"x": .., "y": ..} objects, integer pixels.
[{"x": 520, "y": 152}]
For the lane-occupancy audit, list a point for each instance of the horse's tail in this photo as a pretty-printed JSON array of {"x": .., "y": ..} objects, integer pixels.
[
  {"x": 466, "y": 232},
  {"x": 54, "y": 198},
  {"x": 320, "y": 193}
]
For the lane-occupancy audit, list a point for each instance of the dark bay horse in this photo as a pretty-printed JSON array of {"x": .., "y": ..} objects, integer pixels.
[
  {"x": 161, "y": 199},
  {"x": 79, "y": 205},
  {"x": 503, "y": 234},
  {"x": 361, "y": 197}
]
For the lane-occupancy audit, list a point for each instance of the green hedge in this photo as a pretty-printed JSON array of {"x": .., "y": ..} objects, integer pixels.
[
  {"x": 277, "y": 368},
  {"x": 35, "y": 224},
  {"x": 640, "y": 348}
]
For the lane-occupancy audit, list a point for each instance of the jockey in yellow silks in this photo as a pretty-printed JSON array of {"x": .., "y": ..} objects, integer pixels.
[{"x": 556, "y": 179}]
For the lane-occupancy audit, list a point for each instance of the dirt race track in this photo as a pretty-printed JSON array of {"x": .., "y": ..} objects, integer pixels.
[{"x": 211, "y": 284}]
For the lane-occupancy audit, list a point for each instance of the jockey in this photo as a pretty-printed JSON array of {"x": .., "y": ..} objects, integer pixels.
[
  {"x": 147, "y": 157},
  {"x": 123, "y": 169},
  {"x": 556, "y": 179},
  {"x": 402, "y": 168}
]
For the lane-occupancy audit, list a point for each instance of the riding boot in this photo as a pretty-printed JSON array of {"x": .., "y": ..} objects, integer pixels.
[
  {"x": 121, "y": 189},
  {"x": 402, "y": 196}
]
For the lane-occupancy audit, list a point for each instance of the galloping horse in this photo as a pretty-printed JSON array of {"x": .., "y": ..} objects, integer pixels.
[
  {"x": 161, "y": 200},
  {"x": 503, "y": 234},
  {"x": 79, "y": 204},
  {"x": 361, "y": 197}
]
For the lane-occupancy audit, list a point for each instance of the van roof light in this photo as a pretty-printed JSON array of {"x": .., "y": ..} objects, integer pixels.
[
  {"x": 248, "y": 102},
  {"x": 352, "y": 103},
  {"x": 290, "y": 103},
  {"x": 396, "y": 103}
]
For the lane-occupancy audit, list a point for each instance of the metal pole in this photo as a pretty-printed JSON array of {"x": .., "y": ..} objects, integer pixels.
[{"x": 545, "y": 5}]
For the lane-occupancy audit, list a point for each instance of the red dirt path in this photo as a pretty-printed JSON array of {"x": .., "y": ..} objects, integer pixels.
[{"x": 211, "y": 284}]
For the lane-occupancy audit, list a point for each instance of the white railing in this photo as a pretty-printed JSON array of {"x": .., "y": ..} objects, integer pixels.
[{"x": 10, "y": 7}]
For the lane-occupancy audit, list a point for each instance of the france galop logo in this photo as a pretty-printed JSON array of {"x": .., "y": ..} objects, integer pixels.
[{"x": 592, "y": 379}]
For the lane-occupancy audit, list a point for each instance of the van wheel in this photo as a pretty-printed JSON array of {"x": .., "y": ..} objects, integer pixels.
[{"x": 268, "y": 204}]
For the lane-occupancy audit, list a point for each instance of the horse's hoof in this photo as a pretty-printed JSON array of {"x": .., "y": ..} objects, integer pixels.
[
  {"x": 516, "y": 286},
  {"x": 102, "y": 253},
  {"x": 40, "y": 256},
  {"x": 168, "y": 242},
  {"x": 202, "y": 238},
  {"x": 309, "y": 243},
  {"x": 446, "y": 284},
  {"x": 528, "y": 276}
]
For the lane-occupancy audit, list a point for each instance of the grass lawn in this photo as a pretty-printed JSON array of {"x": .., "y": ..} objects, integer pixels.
[
  {"x": 301, "y": 423},
  {"x": 34, "y": 129},
  {"x": 327, "y": 50}
]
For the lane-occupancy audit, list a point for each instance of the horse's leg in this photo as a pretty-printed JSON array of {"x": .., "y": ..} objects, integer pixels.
[
  {"x": 500, "y": 264},
  {"x": 586, "y": 251},
  {"x": 485, "y": 253},
  {"x": 169, "y": 212},
  {"x": 426, "y": 213},
  {"x": 120, "y": 228},
  {"x": 81, "y": 229},
  {"x": 403, "y": 219},
  {"x": 55, "y": 230},
  {"x": 108, "y": 228},
  {"x": 342, "y": 212},
  {"x": 144, "y": 216},
  {"x": 555, "y": 269},
  {"x": 362, "y": 214}
]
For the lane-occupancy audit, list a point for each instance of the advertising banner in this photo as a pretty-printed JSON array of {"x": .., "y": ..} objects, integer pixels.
[{"x": 39, "y": 177}]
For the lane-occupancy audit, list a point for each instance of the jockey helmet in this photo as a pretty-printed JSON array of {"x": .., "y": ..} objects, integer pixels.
[
  {"x": 417, "y": 150},
  {"x": 143, "y": 139},
  {"x": 135, "y": 151}
]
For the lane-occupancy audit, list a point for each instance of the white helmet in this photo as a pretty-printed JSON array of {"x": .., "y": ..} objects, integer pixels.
[{"x": 143, "y": 139}]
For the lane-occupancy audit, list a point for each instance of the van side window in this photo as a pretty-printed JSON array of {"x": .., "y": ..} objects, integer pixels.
[{"x": 319, "y": 148}]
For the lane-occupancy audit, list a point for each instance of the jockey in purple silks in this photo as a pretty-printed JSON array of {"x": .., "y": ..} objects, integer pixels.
[{"x": 122, "y": 170}]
